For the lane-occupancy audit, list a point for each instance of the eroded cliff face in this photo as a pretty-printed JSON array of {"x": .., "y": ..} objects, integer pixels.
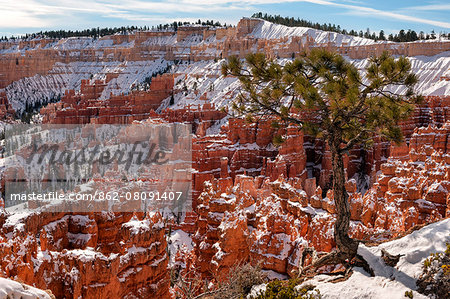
[
  {"x": 256, "y": 219},
  {"x": 86, "y": 107},
  {"x": 252, "y": 201},
  {"x": 23, "y": 59},
  {"x": 94, "y": 255},
  {"x": 37, "y": 71}
]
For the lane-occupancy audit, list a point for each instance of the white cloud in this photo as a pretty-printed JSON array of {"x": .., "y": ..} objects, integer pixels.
[
  {"x": 210, "y": 5},
  {"x": 37, "y": 14},
  {"x": 353, "y": 9},
  {"x": 45, "y": 13},
  {"x": 431, "y": 7},
  {"x": 21, "y": 19},
  {"x": 367, "y": 11},
  {"x": 171, "y": 6}
]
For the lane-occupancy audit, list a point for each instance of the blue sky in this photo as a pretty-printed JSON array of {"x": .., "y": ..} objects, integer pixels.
[{"x": 26, "y": 16}]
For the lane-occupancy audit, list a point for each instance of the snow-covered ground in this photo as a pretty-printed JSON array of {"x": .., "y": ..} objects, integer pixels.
[
  {"x": 10, "y": 289},
  {"x": 204, "y": 77},
  {"x": 68, "y": 76},
  {"x": 429, "y": 70},
  {"x": 391, "y": 283},
  {"x": 178, "y": 241},
  {"x": 269, "y": 30}
]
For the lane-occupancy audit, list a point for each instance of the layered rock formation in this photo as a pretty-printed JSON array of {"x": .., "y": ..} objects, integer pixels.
[
  {"x": 252, "y": 201},
  {"x": 254, "y": 219},
  {"x": 6, "y": 111},
  {"x": 59, "y": 65},
  {"x": 94, "y": 255},
  {"x": 86, "y": 107}
]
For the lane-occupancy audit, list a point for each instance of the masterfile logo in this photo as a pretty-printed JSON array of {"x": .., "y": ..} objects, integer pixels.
[{"x": 85, "y": 168}]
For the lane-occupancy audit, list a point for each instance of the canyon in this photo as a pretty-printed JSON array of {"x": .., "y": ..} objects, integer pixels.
[{"x": 252, "y": 201}]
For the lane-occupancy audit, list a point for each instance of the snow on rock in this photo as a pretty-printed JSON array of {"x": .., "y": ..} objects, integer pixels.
[
  {"x": 100, "y": 255},
  {"x": 137, "y": 226},
  {"x": 13, "y": 289},
  {"x": 200, "y": 81},
  {"x": 282, "y": 220},
  {"x": 430, "y": 71},
  {"x": 269, "y": 30},
  {"x": 197, "y": 58},
  {"x": 62, "y": 77},
  {"x": 178, "y": 241},
  {"x": 389, "y": 282},
  {"x": 278, "y": 220}
]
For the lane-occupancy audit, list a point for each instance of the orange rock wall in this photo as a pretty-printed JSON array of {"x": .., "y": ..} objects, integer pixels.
[
  {"x": 247, "y": 183},
  {"x": 84, "y": 107},
  {"x": 285, "y": 219},
  {"x": 36, "y": 58},
  {"x": 6, "y": 111},
  {"x": 95, "y": 255}
]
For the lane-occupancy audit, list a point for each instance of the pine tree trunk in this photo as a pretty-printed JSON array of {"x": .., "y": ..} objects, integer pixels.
[{"x": 346, "y": 246}]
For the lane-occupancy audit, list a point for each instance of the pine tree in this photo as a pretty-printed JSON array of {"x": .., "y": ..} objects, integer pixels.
[
  {"x": 347, "y": 111},
  {"x": 433, "y": 34}
]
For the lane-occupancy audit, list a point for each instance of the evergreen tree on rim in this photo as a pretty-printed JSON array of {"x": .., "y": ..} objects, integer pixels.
[{"x": 344, "y": 109}]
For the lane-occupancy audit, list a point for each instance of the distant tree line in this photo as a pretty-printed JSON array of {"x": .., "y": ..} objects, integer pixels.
[
  {"x": 94, "y": 32},
  {"x": 145, "y": 84},
  {"x": 99, "y": 32},
  {"x": 402, "y": 36},
  {"x": 31, "y": 108}
]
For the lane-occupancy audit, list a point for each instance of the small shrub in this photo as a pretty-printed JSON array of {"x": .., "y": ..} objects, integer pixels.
[
  {"x": 240, "y": 281},
  {"x": 49, "y": 292},
  {"x": 435, "y": 278},
  {"x": 409, "y": 294},
  {"x": 287, "y": 290}
]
